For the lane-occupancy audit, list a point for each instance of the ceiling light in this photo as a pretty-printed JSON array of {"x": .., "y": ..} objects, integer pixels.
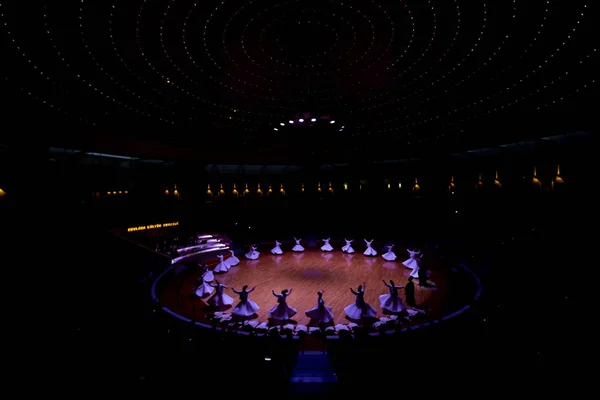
[
  {"x": 313, "y": 120},
  {"x": 332, "y": 122},
  {"x": 300, "y": 120},
  {"x": 290, "y": 121}
]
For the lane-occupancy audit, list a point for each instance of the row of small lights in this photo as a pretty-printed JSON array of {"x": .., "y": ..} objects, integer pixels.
[
  {"x": 301, "y": 120},
  {"x": 558, "y": 179}
]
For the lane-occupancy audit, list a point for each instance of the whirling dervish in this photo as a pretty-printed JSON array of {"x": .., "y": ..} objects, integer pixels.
[
  {"x": 326, "y": 246},
  {"x": 411, "y": 262},
  {"x": 370, "y": 251},
  {"x": 348, "y": 247},
  {"x": 277, "y": 249},
  {"x": 252, "y": 254},
  {"x": 246, "y": 307},
  {"x": 415, "y": 270},
  {"x": 233, "y": 260},
  {"x": 392, "y": 302},
  {"x": 390, "y": 255},
  {"x": 219, "y": 299},
  {"x": 203, "y": 289},
  {"x": 207, "y": 275},
  {"x": 298, "y": 247},
  {"x": 222, "y": 265},
  {"x": 320, "y": 314},
  {"x": 360, "y": 309},
  {"x": 282, "y": 312}
]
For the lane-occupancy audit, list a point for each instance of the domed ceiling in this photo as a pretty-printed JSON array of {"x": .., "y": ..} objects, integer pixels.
[{"x": 377, "y": 77}]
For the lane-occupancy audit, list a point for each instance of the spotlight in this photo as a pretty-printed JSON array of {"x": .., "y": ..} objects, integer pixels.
[
  {"x": 282, "y": 124},
  {"x": 332, "y": 122},
  {"x": 313, "y": 120},
  {"x": 275, "y": 129},
  {"x": 300, "y": 120},
  {"x": 290, "y": 121}
]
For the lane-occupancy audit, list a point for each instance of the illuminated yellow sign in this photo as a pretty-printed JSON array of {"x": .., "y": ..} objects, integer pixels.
[{"x": 155, "y": 226}]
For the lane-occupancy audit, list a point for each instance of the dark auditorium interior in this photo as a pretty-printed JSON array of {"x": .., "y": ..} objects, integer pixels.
[{"x": 461, "y": 126}]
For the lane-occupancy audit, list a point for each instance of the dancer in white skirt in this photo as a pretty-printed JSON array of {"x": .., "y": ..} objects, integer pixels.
[
  {"x": 207, "y": 275},
  {"x": 411, "y": 262},
  {"x": 326, "y": 246},
  {"x": 222, "y": 266},
  {"x": 348, "y": 247},
  {"x": 360, "y": 309},
  {"x": 219, "y": 299},
  {"x": 390, "y": 255},
  {"x": 320, "y": 314},
  {"x": 298, "y": 247},
  {"x": 416, "y": 266},
  {"x": 282, "y": 312},
  {"x": 252, "y": 254},
  {"x": 203, "y": 289},
  {"x": 370, "y": 251},
  {"x": 392, "y": 302},
  {"x": 277, "y": 249},
  {"x": 246, "y": 307},
  {"x": 233, "y": 260}
]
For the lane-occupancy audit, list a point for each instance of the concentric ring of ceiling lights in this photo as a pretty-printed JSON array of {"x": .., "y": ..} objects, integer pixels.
[{"x": 408, "y": 70}]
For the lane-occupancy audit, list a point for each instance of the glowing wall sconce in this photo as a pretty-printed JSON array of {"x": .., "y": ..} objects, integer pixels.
[
  {"x": 166, "y": 192},
  {"x": 258, "y": 191},
  {"x": 270, "y": 190},
  {"x": 389, "y": 186},
  {"x": 221, "y": 190},
  {"x": 126, "y": 192},
  {"x": 209, "y": 192},
  {"x": 558, "y": 178},
  {"x": 175, "y": 191},
  {"x": 399, "y": 185},
  {"x": 302, "y": 190},
  {"x": 281, "y": 189},
  {"x": 416, "y": 186},
  {"x": 246, "y": 191},
  {"x": 319, "y": 187},
  {"x": 535, "y": 179},
  {"x": 452, "y": 185},
  {"x": 480, "y": 181},
  {"x": 235, "y": 192},
  {"x": 345, "y": 186},
  {"x": 330, "y": 189},
  {"x": 497, "y": 181}
]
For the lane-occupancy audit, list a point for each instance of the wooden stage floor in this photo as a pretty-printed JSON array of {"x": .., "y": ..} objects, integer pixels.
[{"x": 307, "y": 273}]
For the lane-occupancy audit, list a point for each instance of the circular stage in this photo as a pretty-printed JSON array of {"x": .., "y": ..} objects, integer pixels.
[{"x": 311, "y": 271}]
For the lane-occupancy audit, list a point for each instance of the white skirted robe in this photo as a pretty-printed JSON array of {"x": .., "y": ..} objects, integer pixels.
[
  {"x": 233, "y": 260},
  {"x": 370, "y": 251},
  {"x": 390, "y": 255},
  {"x": 252, "y": 254},
  {"x": 204, "y": 289},
  {"x": 411, "y": 262},
  {"x": 207, "y": 275},
  {"x": 326, "y": 246},
  {"x": 277, "y": 249},
  {"x": 282, "y": 311},
  {"x": 392, "y": 302},
  {"x": 348, "y": 247},
  {"x": 320, "y": 314},
  {"x": 222, "y": 266},
  {"x": 298, "y": 247},
  {"x": 360, "y": 309},
  {"x": 246, "y": 307},
  {"x": 220, "y": 299}
]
